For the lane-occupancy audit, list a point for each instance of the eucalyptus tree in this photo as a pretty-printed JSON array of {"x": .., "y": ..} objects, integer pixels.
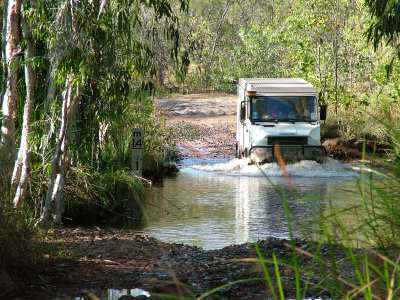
[
  {"x": 10, "y": 51},
  {"x": 213, "y": 34},
  {"x": 20, "y": 174},
  {"x": 384, "y": 25},
  {"x": 385, "y": 22},
  {"x": 321, "y": 40},
  {"x": 97, "y": 54}
]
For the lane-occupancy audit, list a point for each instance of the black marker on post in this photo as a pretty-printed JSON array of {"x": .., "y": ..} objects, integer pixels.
[{"x": 137, "y": 151}]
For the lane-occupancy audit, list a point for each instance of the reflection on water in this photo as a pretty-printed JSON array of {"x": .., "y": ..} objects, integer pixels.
[
  {"x": 264, "y": 207},
  {"x": 215, "y": 204}
]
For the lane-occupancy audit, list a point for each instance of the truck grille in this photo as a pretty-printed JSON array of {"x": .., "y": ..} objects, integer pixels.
[{"x": 287, "y": 140}]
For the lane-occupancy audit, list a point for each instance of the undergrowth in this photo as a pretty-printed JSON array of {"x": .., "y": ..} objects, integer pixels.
[
  {"x": 361, "y": 123},
  {"x": 112, "y": 198},
  {"x": 18, "y": 251}
]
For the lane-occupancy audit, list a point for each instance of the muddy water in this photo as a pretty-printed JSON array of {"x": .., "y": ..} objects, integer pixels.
[{"x": 213, "y": 204}]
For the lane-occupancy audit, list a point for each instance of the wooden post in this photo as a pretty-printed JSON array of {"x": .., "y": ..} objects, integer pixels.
[{"x": 137, "y": 151}]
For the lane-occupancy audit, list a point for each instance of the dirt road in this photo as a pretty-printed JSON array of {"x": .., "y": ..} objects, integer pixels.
[{"x": 205, "y": 124}]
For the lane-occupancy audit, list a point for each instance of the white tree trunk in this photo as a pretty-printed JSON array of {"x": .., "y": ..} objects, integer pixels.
[
  {"x": 9, "y": 101},
  {"x": 56, "y": 182},
  {"x": 20, "y": 173},
  {"x": 58, "y": 196},
  {"x": 58, "y": 54}
]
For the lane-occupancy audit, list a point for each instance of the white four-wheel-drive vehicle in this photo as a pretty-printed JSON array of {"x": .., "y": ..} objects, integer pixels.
[{"x": 278, "y": 119}]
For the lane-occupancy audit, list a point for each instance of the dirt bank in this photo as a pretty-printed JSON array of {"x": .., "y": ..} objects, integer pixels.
[{"x": 110, "y": 258}]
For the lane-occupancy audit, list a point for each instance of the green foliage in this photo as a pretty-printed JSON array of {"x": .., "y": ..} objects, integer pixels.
[
  {"x": 107, "y": 197},
  {"x": 115, "y": 142},
  {"x": 384, "y": 24},
  {"x": 112, "y": 198},
  {"x": 109, "y": 54},
  {"x": 321, "y": 41},
  {"x": 359, "y": 119}
]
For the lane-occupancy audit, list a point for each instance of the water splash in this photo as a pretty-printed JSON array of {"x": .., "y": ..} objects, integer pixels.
[{"x": 304, "y": 168}]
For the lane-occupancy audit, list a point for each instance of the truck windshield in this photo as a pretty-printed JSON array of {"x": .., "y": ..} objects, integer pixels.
[{"x": 283, "y": 108}]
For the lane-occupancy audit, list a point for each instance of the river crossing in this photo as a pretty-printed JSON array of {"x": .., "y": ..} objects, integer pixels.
[{"x": 216, "y": 203}]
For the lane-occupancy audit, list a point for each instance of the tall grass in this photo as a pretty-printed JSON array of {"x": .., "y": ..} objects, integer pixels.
[
  {"x": 98, "y": 182},
  {"x": 375, "y": 217},
  {"x": 108, "y": 198},
  {"x": 110, "y": 195},
  {"x": 371, "y": 271},
  {"x": 116, "y": 144}
]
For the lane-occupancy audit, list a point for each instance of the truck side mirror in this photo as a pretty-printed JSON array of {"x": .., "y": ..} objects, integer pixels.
[
  {"x": 322, "y": 111},
  {"x": 242, "y": 110}
]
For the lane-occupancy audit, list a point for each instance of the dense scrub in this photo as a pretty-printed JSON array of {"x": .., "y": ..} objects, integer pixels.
[{"x": 72, "y": 100}]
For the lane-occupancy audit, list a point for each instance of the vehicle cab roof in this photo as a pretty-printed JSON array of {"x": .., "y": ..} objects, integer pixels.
[{"x": 277, "y": 86}]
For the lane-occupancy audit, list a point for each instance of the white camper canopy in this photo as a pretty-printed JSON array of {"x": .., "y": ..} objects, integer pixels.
[{"x": 280, "y": 86}]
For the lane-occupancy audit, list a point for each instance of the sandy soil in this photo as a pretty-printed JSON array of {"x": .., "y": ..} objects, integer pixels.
[
  {"x": 199, "y": 105},
  {"x": 209, "y": 121}
]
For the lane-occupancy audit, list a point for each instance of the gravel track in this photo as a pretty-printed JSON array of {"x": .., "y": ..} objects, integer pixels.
[{"x": 205, "y": 124}]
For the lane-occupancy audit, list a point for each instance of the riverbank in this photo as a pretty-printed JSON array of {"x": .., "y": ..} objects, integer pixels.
[{"x": 98, "y": 259}]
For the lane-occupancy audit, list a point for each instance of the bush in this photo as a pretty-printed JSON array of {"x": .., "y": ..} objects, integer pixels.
[{"x": 110, "y": 198}]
